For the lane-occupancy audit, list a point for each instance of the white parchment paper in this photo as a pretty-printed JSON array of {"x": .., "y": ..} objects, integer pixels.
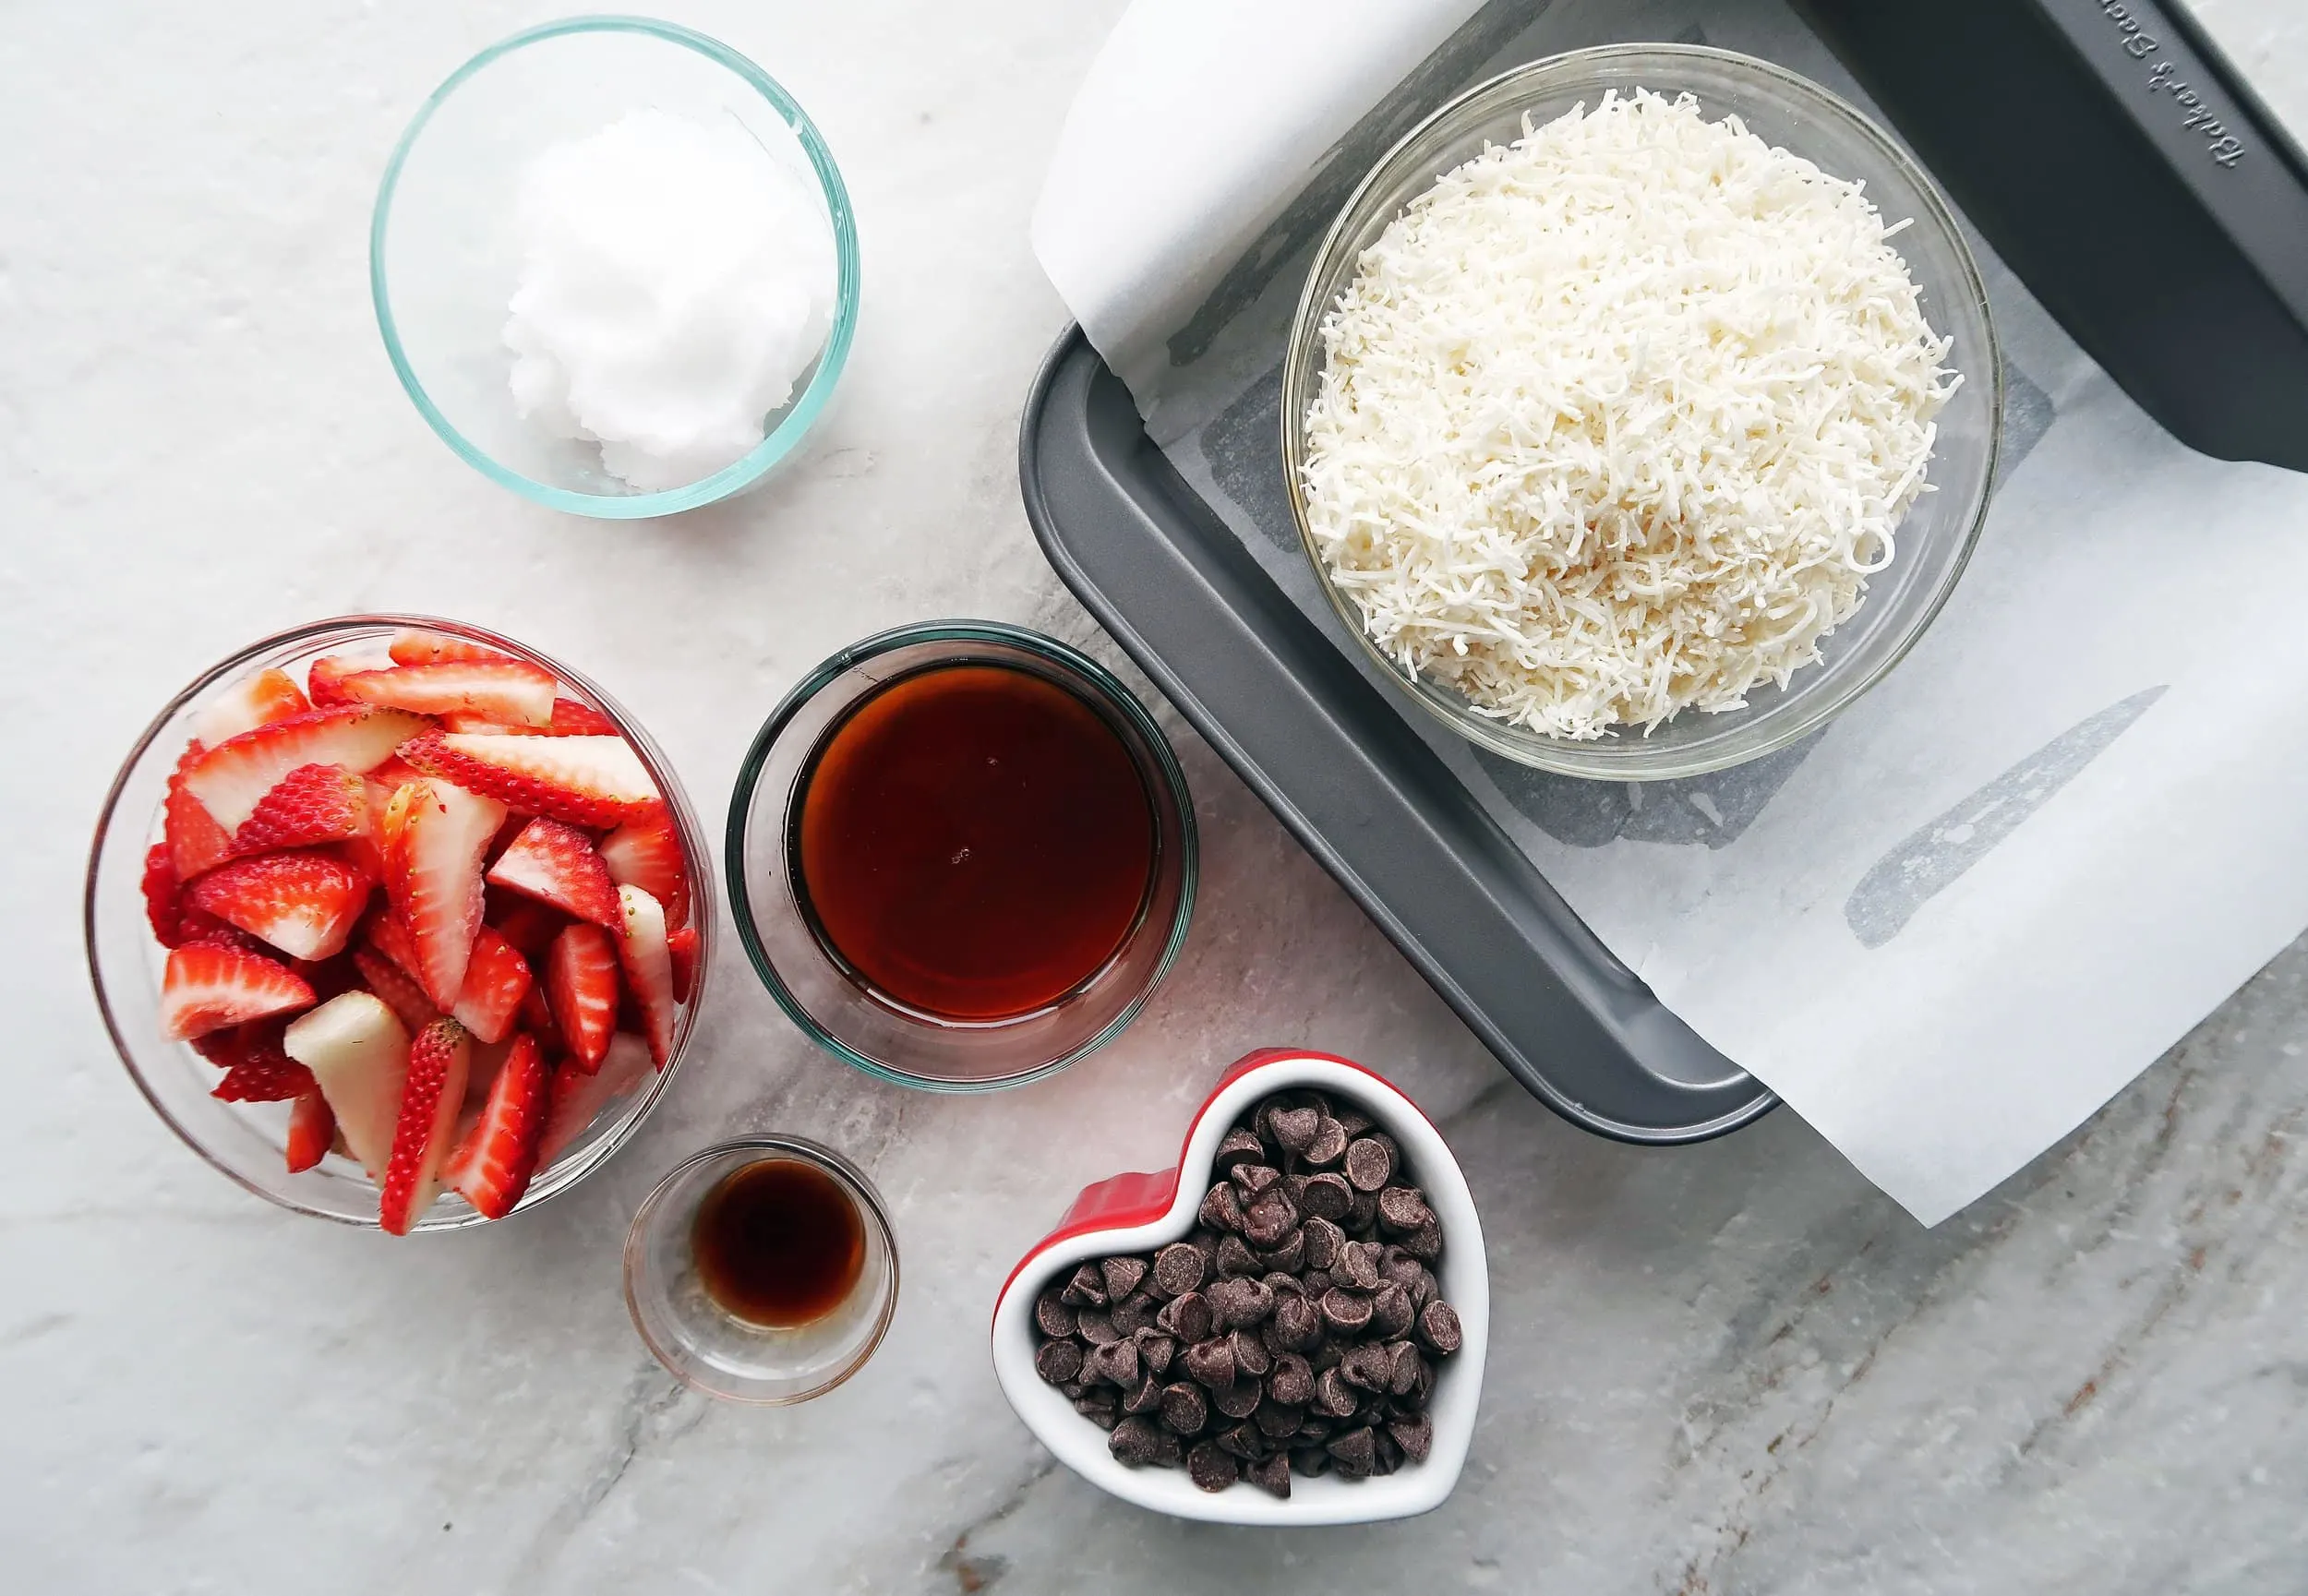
[{"x": 1951, "y": 925}]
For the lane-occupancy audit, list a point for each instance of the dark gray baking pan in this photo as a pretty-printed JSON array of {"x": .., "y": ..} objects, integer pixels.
[{"x": 2115, "y": 161}]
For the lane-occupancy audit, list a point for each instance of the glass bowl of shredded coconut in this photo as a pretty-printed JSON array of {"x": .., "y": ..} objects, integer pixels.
[
  {"x": 1642, "y": 410},
  {"x": 615, "y": 266}
]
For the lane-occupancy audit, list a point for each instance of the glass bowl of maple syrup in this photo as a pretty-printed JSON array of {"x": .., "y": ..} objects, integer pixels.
[
  {"x": 961, "y": 855},
  {"x": 761, "y": 1270}
]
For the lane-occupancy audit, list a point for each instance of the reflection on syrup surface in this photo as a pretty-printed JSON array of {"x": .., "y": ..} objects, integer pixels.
[
  {"x": 778, "y": 1243},
  {"x": 974, "y": 842}
]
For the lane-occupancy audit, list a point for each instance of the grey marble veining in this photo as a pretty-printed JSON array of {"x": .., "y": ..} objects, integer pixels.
[{"x": 1732, "y": 1368}]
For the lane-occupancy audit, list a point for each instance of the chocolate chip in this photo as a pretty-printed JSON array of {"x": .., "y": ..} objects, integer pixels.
[
  {"x": 1238, "y": 1400},
  {"x": 1328, "y": 1144},
  {"x": 1178, "y": 1269},
  {"x": 1243, "y": 1441},
  {"x": 1356, "y": 1267},
  {"x": 1086, "y": 1289},
  {"x": 1206, "y": 1244},
  {"x": 1297, "y": 1325},
  {"x": 1239, "y": 1303},
  {"x": 1120, "y": 1276},
  {"x": 1184, "y": 1406},
  {"x": 1097, "y": 1326},
  {"x": 1315, "y": 1431},
  {"x": 1361, "y": 1215},
  {"x": 1367, "y": 1368},
  {"x": 1311, "y": 1461},
  {"x": 1325, "y": 1354},
  {"x": 1397, "y": 1267},
  {"x": 1439, "y": 1327},
  {"x": 1211, "y": 1469},
  {"x": 1409, "y": 1370},
  {"x": 1403, "y": 1208},
  {"x": 1234, "y": 1257},
  {"x": 1333, "y": 1398},
  {"x": 1427, "y": 1291},
  {"x": 1221, "y": 1210},
  {"x": 1271, "y": 1475},
  {"x": 1210, "y": 1363},
  {"x": 1277, "y": 1421},
  {"x": 1415, "y": 1436},
  {"x": 1352, "y": 1120},
  {"x": 1346, "y": 1313},
  {"x": 1293, "y": 1128},
  {"x": 1070, "y": 1389},
  {"x": 1187, "y": 1317},
  {"x": 1251, "y": 1356},
  {"x": 1389, "y": 1456},
  {"x": 1099, "y": 1407},
  {"x": 1353, "y": 1452},
  {"x": 1141, "y": 1443},
  {"x": 1240, "y": 1147},
  {"x": 1134, "y": 1313},
  {"x": 1155, "y": 1349},
  {"x": 1283, "y": 1285},
  {"x": 1292, "y": 1382},
  {"x": 1269, "y": 1219},
  {"x": 1058, "y": 1361},
  {"x": 1390, "y": 1312},
  {"x": 1322, "y": 1239},
  {"x": 1424, "y": 1244},
  {"x": 1285, "y": 1261},
  {"x": 1370, "y": 1161},
  {"x": 1054, "y": 1316},
  {"x": 1115, "y": 1363},
  {"x": 1327, "y": 1196},
  {"x": 1146, "y": 1399},
  {"x": 1252, "y": 1178}
]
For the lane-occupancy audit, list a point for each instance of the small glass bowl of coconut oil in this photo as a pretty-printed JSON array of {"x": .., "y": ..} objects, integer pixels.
[{"x": 615, "y": 266}]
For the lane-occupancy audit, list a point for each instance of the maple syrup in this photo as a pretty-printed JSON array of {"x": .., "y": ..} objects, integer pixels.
[
  {"x": 778, "y": 1243},
  {"x": 973, "y": 843}
]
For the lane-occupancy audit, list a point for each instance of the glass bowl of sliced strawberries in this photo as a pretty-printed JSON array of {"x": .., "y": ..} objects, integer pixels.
[{"x": 398, "y": 922}]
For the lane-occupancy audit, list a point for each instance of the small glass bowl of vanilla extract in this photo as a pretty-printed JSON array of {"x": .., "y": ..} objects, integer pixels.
[
  {"x": 763, "y": 1270},
  {"x": 961, "y": 855}
]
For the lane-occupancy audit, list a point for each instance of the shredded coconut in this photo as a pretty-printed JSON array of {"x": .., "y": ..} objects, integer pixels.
[{"x": 1617, "y": 420}]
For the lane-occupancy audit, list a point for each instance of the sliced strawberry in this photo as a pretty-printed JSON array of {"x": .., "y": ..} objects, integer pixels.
[
  {"x": 579, "y": 1096},
  {"x": 161, "y": 906},
  {"x": 360, "y": 1055},
  {"x": 570, "y": 718},
  {"x": 312, "y": 804},
  {"x": 555, "y": 864},
  {"x": 393, "y": 775},
  {"x": 206, "y": 987},
  {"x": 328, "y": 977},
  {"x": 581, "y": 980},
  {"x": 492, "y": 1165},
  {"x": 587, "y": 781},
  {"x": 509, "y": 691},
  {"x": 232, "y": 778},
  {"x": 396, "y": 988},
  {"x": 648, "y": 966},
  {"x": 312, "y": 1127},
  {"x": 645, "y": 852},
  {"x": 324, "y": 679},
  {"x": 196, "y": 842},
  {"x": 434, "y": 835},
  {"x": 536, "y": 1018},
  {"x": 414, "y": 647},
  {"x": 508, "y": 834},
  {"x": 527, "y": 924},
  {"x": 429, "y": 1102},
  {"x": 252, "y": 701},
  {"x": 264, "y": 1074},
  {"x": 304, "y": 904},
  {"x": 681, "y": 946},
  {"x": 389, "y": 934},
  {"x": 496, "y": 979}
]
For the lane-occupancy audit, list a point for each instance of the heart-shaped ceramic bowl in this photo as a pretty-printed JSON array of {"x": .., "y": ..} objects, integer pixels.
[{"x": 1135, "y": 1213}]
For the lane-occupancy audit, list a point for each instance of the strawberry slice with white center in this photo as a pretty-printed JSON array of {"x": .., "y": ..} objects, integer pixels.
[
  {"x": 555, "y": 864},
  {"x": 648, "y": 966},
  {"x": 206, "y": 987},
  {"x": 435, "y": 836},
  {"x": 496, "y": 979},
  {"x": 508, "y": 691},
  {"x": 579, "y": 1097},
  {"x": 581, "y": 982},
  {"x": 494, "y": 1161},
  {"x": 414, "y": 647},
  {"x": 359, "y": 1053},
  {"x": 233, "y": 777},
  {"x": 645, "y": 852},
  {"x": 312, "y": 1126},
  {"x": 429, "y": 1100},
  {"x": 252, "y": 701},
  {"x": 325, "y": 677},
  {"x": 163, "y": 909},
  {"x": 312, "y": 804},
  {"x": 196, "y": 842},
  {"x": 683, "y": 947},
  {"x": 587, "y": 781},
  {"x": 304, "y": 904},
  {"x": 395, "y": 987},
  {"x": 529, "y": 925},
  {"x": 570, "y": 718}
]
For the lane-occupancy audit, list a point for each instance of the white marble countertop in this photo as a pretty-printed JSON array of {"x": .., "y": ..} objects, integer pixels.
[{"x": 1729, "y": 1368}]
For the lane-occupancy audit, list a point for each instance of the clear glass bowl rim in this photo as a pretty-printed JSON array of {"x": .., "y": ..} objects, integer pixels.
[
  {"x": 809, "y": 1152},
  {"x": 1110, "y": 688},
  {"x": 795, "y": 423},
  {"x": 1600, "y": 761},
  {"x": 563, "y": 1173}
]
